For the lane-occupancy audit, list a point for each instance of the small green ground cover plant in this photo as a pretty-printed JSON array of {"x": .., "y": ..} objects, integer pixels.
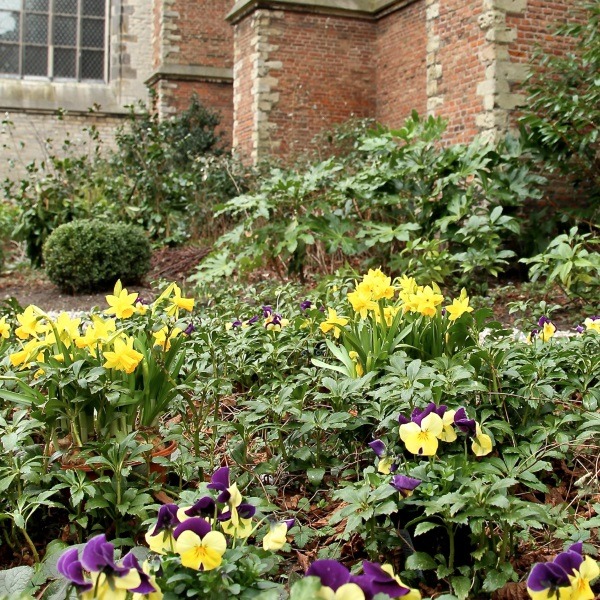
[{"x": 413, "y": 441}]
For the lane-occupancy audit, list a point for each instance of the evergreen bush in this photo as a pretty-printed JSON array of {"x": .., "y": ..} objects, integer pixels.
[{"x": 88, "y": 255}]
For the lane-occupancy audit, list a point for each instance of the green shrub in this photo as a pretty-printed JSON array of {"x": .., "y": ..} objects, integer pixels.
[{"x": 91, "y": 255}]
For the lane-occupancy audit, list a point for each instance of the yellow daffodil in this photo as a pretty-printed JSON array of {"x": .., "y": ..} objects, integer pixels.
[
  {"x": 4, "y": 328},
  {"x": 407, "y": 285},
  {"x": 160, "y": 337},
  {"x": 459, "y": 306},
  {"x": 422, "y": 439},
  {"x": 124, "y": 357},
  {"x": 66, "y": 327},
  {"x": 23, "y": 356},
  {"x": 121, "y": 303},
  {"x": 425, "y": 300},
  {"x": 177, "y": 302},
  {"x": 353, "y": 355},
  {"x": 379, "y": 284},
  {"x": 99, "y": 331},
  {"x": 30, "y": 323},
  {"x": 333, "y": 322},
  {"x": 482, "y": 443},
  {"x": 361, "y": 300}
]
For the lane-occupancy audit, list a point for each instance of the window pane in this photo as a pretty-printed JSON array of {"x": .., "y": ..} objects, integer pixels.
[
  {"x": 36, "y": 29},
  {"x": 92, "y": 33},
  {"x": 94, "y": 7},
  {"x": 9, "y": 26},
  {"x": 9, "y": 59},
  {"x": 10, "y": 4},
  {"x": 92, "y": 64},
  {"x": 64, "y": 31},
  {"x": 65, "y": 7},
  {"x": 39, "y": 5},
  {"x": 35, "y": 60},
  {"x": 65, "y": 63}
]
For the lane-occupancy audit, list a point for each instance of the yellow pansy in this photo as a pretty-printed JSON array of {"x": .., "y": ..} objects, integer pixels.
[
  {"x": 4, "y": 328},
  {"x": 592, "y": 324},
  {"x": 482, "y": 443},
  {"x": 448, "y": 433},
  {"x": 422, "y": 439}
]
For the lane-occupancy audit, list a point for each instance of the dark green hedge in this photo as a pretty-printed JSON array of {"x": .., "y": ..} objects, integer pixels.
[{"x": 89, "y": 256}]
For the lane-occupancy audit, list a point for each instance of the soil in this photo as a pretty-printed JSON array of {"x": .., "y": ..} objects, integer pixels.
[{"x": 33, "y": 287}]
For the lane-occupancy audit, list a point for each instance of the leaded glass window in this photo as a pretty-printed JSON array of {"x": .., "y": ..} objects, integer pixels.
[{"x": 56, "y": 39}]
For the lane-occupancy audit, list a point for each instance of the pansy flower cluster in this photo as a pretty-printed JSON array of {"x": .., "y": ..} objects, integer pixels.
[
  {"x": 567, "y": 577},
  {"x": 425, "y": 429},
  {"x": 197, "y": 533},
  {"x": 95, "y": 574},
  {"x": 336, "y": 582},
  {"x": 271, "y": 320},
  {"x": 545, "y": 330}
]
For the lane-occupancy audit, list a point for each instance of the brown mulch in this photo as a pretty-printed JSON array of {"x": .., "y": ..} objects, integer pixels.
[{"x": 33, "y": 287}]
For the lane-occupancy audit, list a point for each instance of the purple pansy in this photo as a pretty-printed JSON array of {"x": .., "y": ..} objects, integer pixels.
[
  {"x": 252, "y": 320},
  {"x": 205, "y": 507},
  {"x": 267, "y": 310},
  {"x": 98, "y": 555},
  {"x": 166, "y": 519},
  {"x": 376, "y": 581},
  {"x": 466, "y": 425},
  {"x": 199, "y": 526},
  {"x": 235, "y": 324},
  {"x": 555, "y": 574},
  {"x": 305, "y": 305},
  {"x": 244, "y": 511},
  {"x": 378, "y": 447},
  {"x": 580, "y": 329},
  {"x": 145, "y": 586},
  {"x": 220, "y": 482},
  {"x": 404, "y": 484},
  {"x": 189, "y": 329},
  {"x": 543, "y": 320},
  {"x": 69, "y": 566},
  {"x": 331, "y": 573}
]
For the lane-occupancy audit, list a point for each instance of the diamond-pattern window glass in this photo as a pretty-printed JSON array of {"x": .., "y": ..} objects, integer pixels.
[
  {"x": 65, "y": 63},
  {"x": 38, "y": 5},
  {"x": 9, "y": 58},
  {"x": 36, "y": 29},
  {"x": 92, "y": 33},
  {"x": 65, "y": 7},
  {"x": 92, "y": 64},
  {"x": 94, "y": 8},
  {"x": 64, "y": 31},
  {"x": 35, "y": 60},
  {"x": 9, "y": 26}
]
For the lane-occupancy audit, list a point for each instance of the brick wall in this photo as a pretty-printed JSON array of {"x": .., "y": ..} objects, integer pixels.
[
  {"x": 400, "y": 62},
  {"x": 308, "y": 72},
  {"x": 33, "y": 137},
  {"x": 456, "y": 67},
  {"x": 244, "y": 129}
]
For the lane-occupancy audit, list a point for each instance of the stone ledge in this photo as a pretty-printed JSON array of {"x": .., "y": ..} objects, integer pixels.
[
  {"x": 191, "y": 73},
  {"x": 360, "y": 8},
  {"x": 51, "y": 96}
]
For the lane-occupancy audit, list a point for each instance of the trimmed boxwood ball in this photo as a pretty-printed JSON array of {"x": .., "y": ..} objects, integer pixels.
[{"x": 89, "y": 256}]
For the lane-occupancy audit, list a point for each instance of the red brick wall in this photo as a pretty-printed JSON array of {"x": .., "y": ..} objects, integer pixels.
[
  {"x": 206, "y": 38},
  {"x": 327, "y": 77},
  {"x": 242, "y": 88},
  {"x": 215, "y": 96},
  {"x": 461, "y": 41},
  {"x": 400, "y": 64}
]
